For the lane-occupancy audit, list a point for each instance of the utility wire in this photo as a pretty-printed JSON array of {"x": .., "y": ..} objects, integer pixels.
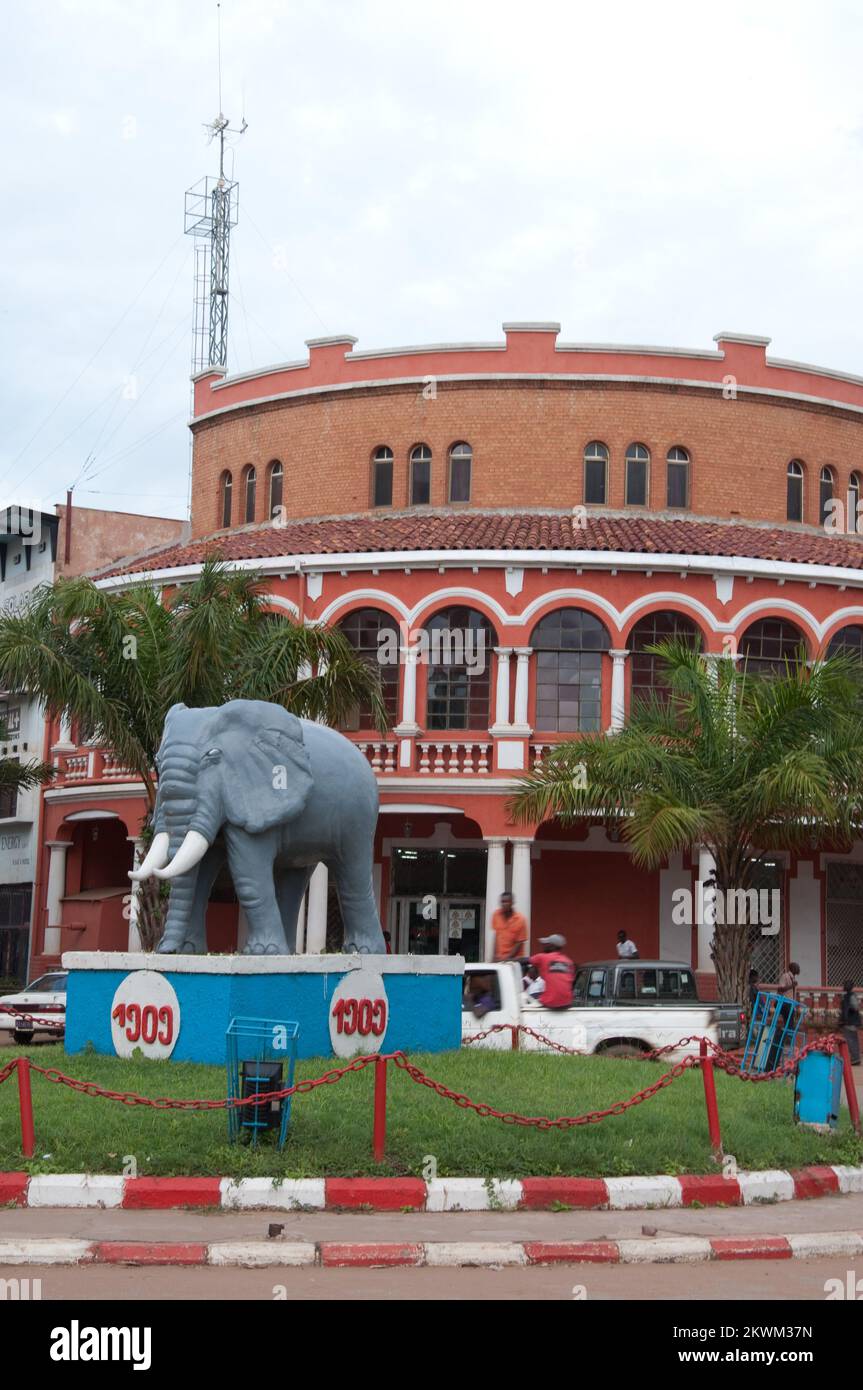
[{"x": 91, "y": 360}]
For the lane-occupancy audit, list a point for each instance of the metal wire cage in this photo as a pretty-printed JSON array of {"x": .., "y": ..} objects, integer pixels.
[
  {"x": 776, "y": 1021},
  {"x": 261, "y": 1056}
]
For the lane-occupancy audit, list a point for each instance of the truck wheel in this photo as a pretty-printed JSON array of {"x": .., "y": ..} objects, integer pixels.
[
  {"x": 21, "y": 1038},
  {"x": 623, "y": 1050}
]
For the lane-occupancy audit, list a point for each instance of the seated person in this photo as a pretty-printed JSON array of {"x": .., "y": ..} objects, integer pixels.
[
  {"x": 532, "y": 985},
  {"x": 556, "y": 971},
  {"x": 480, "y": 997}
]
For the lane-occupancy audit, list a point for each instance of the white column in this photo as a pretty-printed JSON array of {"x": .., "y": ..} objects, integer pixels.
[
  {"x": 316, "y": 911},
  {"x": 501, "y": 711},
  {"x": 64, "y": 742},
  {"x": 522, "y": 671},
  {"x": 56, "y": 890},
  {"x": 618, "y": 690},
  {"x": 135, "y": 894},
  {"x": 705, "y": 903},
  {"x": 521, "y": 879},
  {"x": 408, "y": 723},
  {"x": 242, "y": 928},
  {"x": 494, "y": 886}
]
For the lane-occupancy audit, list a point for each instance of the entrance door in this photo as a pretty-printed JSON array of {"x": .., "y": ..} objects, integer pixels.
[{"x": 431, "y": 926}]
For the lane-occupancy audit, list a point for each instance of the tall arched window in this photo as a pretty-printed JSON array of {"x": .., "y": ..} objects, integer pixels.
[
  {"x": 769, "y": 646},
  {"x": 596, "y": 473},
  {"x": 226, "y": 487},
  {"x": 647, "y": 671},
  {"x": 250, "y": 483},
  {"x": 637, "y": 466},
  {"x": 854, "y": 518},
  {"x": 382, "y": 477},
  {"x": 374, "y": 636},
  {"x": 825, "y": 495},
  {"x": 421, "y": 458},
  {"x": 677, "y": 484},
  {"x": 794, "y": 495},
  {"x": 848, "y": 641},
  {"x": 460, "y": 643},
  {"x": 276, "y": 486},
  {"x": 460, "y": 463},
  {"x": 569, "y": 644}
]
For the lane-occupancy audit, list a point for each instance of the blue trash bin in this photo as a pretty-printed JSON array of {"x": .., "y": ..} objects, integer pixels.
[{"x": 818, "y": 1089}]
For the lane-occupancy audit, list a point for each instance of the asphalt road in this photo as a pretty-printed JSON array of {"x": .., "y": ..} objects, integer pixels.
[{"x": 737, "y": 1281}]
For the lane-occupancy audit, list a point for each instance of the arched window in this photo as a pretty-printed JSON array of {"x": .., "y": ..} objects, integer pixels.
[
  {"x": 637, "y": 466},
  {"x": 569, "y": 644},
  {"x": 794, "y": 502},
  {"x": 374, "y": 636},
  {"x": 250, "y": 482},
  {"x": 677, "y": 489},
  {"x": 226, "y": 487},
  {"x": 848, "y": 641},
  {"x": 460, "y": 462},
  {"x": 647, "y": 670},
  {"x": 460, "y": 643},
  {"x": 596, "y": 473},
  {"x": 825, "y": 495},
  {"x": 421, "y": 458},
  {"x": 854, "y": 518},
  {"x": 276, "y": 488},
  {"x": 382, "y": 477},
  {"x": 770, "y": 646}
]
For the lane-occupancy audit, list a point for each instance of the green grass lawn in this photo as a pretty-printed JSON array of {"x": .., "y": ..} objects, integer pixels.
[{"x": 331, "y": 1127}]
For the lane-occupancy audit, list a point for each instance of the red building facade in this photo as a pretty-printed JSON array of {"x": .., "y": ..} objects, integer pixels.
[{"x": 560, "y": 507}]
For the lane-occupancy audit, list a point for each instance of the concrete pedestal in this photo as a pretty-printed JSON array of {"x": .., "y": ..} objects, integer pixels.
[{"x": 180, "y": 1006}]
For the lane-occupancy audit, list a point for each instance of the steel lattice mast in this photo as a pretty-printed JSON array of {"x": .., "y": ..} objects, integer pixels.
[{"x": 212, "y": 207}]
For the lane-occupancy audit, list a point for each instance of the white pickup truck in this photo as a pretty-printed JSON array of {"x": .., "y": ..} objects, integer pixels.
[{"x": 621, "y": 1007}]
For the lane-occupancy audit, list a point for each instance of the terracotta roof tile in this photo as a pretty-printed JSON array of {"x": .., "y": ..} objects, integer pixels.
[{"x": 469, "y": 530}]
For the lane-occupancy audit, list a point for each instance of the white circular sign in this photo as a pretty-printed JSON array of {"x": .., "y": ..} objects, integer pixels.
[
  {"x": 359, "y": 1014},
  {"x": 145, "y": 1014}
]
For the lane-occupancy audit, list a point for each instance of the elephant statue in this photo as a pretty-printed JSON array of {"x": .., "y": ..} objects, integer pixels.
[{"x": 272, "y": 795}]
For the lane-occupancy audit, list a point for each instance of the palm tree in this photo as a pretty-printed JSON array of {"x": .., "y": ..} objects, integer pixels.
[
  {"x": 115, "y": 662},
  {"x": 744, "y": 765},
  {"x": 20, "y": 777}
]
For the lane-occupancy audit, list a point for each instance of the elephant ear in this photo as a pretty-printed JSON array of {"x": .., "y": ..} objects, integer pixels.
[{"x": 271, "y": 781}]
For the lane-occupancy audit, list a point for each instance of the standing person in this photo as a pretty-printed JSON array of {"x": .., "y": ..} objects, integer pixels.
[
  {"x": 556, "y": 971},
  {"x": 787, "y": 986},
  {"x": 626, "y": 949},
  {"x": 510, "y": 930},
  {"x": 849, "y": 1020}
]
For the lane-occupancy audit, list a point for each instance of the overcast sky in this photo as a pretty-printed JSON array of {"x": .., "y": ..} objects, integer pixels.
[{"x": 411, "y": 173}]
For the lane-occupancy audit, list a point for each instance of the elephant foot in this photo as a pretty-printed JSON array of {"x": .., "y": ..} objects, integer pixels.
[
  {"x": 266, "y": 948},
  {"x": 172, "y": 946}
]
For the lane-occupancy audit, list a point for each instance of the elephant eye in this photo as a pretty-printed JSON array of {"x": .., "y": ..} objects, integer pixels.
[{"x": 212, "y": 755}]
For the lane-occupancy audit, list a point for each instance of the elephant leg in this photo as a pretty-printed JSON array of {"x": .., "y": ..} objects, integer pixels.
[
  {"x": 359, "y": 909},
  {"x": 186, "y": 928},
  {"x": 290, "y": 887},
  {"x": 250, "y": 858}
]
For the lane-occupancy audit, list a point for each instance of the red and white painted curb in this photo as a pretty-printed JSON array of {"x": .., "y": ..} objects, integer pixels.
[
  {"x": 271, "y": 1254},
  {"x": 414, "y": 1194}
]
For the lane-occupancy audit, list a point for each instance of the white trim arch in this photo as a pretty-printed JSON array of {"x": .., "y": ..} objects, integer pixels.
[{"x": 775, "y": 608}]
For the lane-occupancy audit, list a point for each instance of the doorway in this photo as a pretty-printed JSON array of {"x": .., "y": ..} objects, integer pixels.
[{"x": 432, "y": 926}]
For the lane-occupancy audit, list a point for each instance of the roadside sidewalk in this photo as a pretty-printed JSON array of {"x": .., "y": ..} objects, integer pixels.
[{"x": 824, "y": 1226}]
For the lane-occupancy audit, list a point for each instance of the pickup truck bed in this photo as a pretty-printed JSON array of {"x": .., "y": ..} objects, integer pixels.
[{"x": 606, "y": 1025}]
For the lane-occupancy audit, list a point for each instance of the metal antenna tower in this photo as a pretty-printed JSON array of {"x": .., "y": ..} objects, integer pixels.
[{"x": 212, "y": 208}]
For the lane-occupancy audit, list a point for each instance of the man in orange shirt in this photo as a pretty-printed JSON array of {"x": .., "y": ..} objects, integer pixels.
[{"x": 510, "y": 930}]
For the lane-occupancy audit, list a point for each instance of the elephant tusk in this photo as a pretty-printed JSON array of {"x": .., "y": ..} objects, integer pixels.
[
  {"x": 190, "y": 853},
  {"x": 156, "y": 858}
]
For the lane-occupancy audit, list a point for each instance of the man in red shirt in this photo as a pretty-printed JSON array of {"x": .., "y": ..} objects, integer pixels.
[{"x": 557, "y": 973}]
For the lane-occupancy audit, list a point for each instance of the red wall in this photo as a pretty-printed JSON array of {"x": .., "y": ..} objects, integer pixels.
[{"x": 588, "y": 897}]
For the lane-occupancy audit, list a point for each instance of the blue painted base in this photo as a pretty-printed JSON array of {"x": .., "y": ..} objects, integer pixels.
[{"x": 423, "y": 997}]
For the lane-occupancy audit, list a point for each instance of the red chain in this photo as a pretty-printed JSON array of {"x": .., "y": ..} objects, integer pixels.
[
  {"x": 21, "y": 1017},
  {"x": 724, "y": 1060}
]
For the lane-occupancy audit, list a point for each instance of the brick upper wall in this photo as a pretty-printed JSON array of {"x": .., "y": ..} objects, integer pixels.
[{"x": 528, "y": 439}]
